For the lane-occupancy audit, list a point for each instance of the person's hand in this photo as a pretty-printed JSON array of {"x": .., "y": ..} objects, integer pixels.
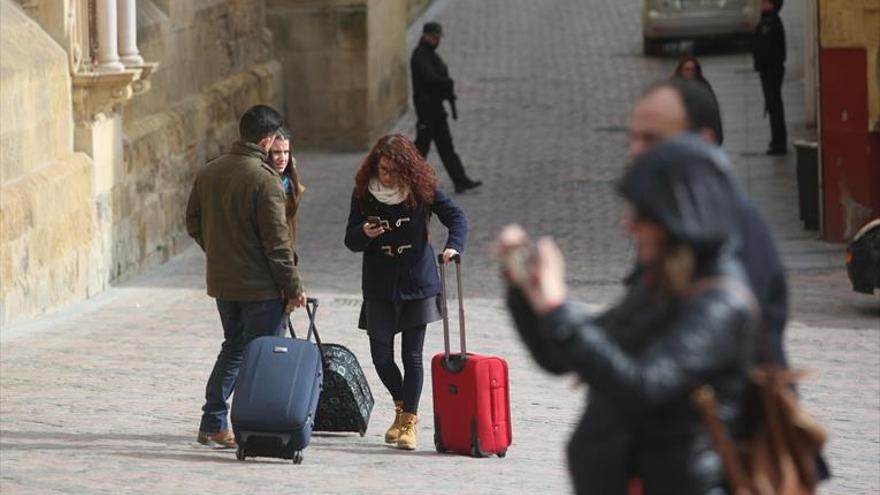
[
  {"x": 544, "y": 287},
  {"x": 511, "y": 236},
  {"x": 448, "y": 254},
  {"x": 295, "y": 302},
  {"x": 373, "y": 230},
  {"x": 547, "y": 290}
]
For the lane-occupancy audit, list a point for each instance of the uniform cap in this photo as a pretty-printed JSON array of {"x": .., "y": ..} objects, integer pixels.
[{"x": 432, "y": 28}]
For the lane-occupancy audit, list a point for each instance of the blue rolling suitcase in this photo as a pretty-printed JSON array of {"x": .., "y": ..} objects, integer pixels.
[{"x": 276, "y": 395}]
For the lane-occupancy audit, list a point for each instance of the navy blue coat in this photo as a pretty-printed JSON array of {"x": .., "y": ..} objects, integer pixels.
[{"x": 400, "y": 264}]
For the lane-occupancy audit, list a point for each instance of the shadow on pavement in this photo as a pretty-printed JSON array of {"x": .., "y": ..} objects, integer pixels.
[
  {"x": 6, "y": 435},
  {"x": 170, "y": 456},
  {"x": 869, "y": 308},
  {"x": 376, "y": 449}
]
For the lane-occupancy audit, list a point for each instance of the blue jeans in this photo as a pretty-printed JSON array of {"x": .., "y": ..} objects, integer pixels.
[{"x": 243, "y": 321}]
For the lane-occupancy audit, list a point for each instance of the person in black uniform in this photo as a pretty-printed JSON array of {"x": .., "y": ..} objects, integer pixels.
[
  {"x": 768, "y": 53},
  {"x": 431, "y": 86}
]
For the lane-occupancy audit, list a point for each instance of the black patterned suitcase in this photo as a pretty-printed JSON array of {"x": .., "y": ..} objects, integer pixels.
[{"x": 346, "y": 401}]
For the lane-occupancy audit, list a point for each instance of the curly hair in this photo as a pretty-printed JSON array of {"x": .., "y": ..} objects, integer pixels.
[{"x": 411, "y": 170}]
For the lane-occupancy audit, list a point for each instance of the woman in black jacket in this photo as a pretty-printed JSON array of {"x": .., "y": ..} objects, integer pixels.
[
  {"x": 394, "y": 196},
  {"x": 687, "y": 321}
]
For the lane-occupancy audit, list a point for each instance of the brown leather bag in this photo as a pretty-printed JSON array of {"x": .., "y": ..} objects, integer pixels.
[{"x": 778, "y": 454}]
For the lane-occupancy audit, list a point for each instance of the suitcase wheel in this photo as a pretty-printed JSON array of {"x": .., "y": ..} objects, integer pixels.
[
  {"x": 476, "y": 451},
  {"x": 503, "y": 453},
  {"x": 438, "y": 443},
  {"x": 298, "y": 457},
  {"x": 363, "y": 432},
  {"x": 239, "y": 453}
]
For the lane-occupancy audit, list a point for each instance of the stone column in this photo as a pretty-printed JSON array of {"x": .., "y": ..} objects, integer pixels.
[
  {"x": 105, "y": 20},
  {"x": 127, "y": 18}
]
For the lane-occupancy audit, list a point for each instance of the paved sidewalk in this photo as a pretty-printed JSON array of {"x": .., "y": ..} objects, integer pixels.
[{"x": 104, "y": 396}]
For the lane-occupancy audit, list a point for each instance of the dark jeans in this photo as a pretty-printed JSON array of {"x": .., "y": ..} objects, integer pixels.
[
  {"x": 771, "y": 84},
  {"x": 242, "y": 321},
  {"x": 436, "y": 129},
  {"x": 409, "y": 387}
]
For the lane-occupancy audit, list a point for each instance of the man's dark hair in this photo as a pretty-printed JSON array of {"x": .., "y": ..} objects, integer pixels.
[
  {"x": 699, "y": 104},
  {"x": 258, "y": 122}
]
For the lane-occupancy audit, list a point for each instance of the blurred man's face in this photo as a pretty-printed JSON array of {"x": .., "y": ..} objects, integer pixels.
[
  {"x": 432, "y": 39},
  {"x": 656, "y": 117}
]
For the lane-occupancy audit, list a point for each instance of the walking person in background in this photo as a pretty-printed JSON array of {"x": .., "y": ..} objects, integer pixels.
[
  {"x": 236, "y": 214},
  {"x": 686, "y": 321},
  {"x": 689, "y": 69},
  {"x": 431, "y": 87},
  {"x": 670, "y": 108},
  {"x": 394, "y": 196},
  {"x": 768, "y": 53}
]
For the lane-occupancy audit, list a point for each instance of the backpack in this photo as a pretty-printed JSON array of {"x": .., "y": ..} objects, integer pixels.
[{"x": 778, "y": 455}]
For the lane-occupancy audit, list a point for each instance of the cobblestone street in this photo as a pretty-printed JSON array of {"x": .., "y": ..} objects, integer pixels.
[{"x": 104, "y": 396}]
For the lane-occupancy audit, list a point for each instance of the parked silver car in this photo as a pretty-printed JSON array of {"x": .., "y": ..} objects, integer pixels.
[{"x": 669, "y": 20}]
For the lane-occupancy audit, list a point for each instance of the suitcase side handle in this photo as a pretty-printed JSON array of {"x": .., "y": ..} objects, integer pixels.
[{"x": 444, "y": 307}]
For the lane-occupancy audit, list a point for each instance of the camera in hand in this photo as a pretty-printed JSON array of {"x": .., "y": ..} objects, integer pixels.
[{"x": 517, "y": 263}]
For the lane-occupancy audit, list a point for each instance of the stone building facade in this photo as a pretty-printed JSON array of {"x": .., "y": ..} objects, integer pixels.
[{"x": 109, "y": 106}]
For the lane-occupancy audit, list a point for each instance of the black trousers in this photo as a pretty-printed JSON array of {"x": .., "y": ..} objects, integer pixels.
[
  {"x": 408, "y": 387},
  {"x": 436, "y": 129},
  {"x": 771, "y": 84}
]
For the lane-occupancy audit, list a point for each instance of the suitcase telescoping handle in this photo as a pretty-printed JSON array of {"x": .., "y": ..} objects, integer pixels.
[
  {"x": 442, "y": 263},
  {"x": 312, "y": 311}
]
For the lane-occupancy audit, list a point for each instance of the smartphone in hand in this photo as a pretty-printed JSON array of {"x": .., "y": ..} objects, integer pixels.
[{"x": 374, "y": 221}]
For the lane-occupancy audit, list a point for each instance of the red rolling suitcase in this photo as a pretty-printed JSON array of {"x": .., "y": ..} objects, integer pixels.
[{"x": 471, "y": 393}]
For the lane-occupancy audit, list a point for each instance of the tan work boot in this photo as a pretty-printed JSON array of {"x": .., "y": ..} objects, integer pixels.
[
  {"x": 407, "y": 438},
  {"x": 394, "y": 431},
  {"x": 223, "y": 438}
]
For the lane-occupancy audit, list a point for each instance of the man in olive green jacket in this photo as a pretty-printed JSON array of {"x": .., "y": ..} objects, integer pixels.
[{"x": 236, "y": 214}]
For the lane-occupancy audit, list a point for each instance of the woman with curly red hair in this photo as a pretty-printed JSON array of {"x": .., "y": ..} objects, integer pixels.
[{"x": 394, "y": 196}]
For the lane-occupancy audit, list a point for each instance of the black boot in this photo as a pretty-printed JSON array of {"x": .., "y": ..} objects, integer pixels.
[{"x": 467, "y": 184}]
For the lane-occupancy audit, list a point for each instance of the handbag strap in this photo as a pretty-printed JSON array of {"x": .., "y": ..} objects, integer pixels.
[
  {"x": 704, "y": 396},
  {"x": 704, "y": 400}
]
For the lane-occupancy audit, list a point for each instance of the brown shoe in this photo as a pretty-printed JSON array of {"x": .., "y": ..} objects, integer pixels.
[
  {"x": 407, "y": 438},
  {"x": 394, "y": 431},
  {"x": 223, "y": 438}
]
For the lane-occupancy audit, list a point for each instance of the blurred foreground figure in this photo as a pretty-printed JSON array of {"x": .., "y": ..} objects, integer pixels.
[{"x": 687, "y": 320}]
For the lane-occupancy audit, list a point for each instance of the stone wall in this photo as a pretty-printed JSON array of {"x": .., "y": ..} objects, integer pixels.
[
  {"x": 344, "y": 68},
  {"x": 47, "y": 222},
  {"x": 388, "y": 65},
  {"x": 72, "y": 223},
  {"x": 415, "y": 9},
  {"x": 216, "y": 62},
  {"x": 92, "y": 194}
]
